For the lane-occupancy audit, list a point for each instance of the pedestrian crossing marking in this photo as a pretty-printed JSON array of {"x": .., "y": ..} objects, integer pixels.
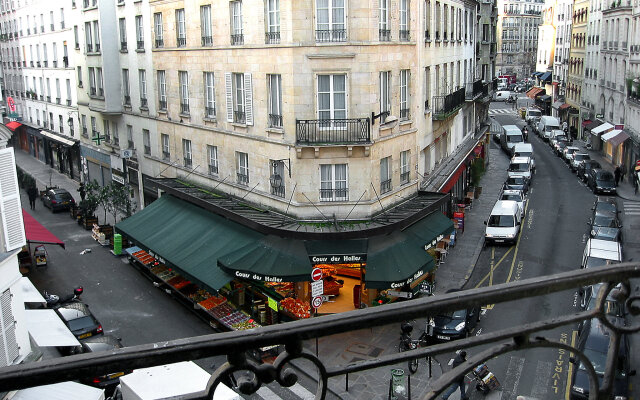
[
  {"x": 631, "y": 208},
  {"x": 303, "y": 393},
  {"x": 502, "y": 111},
  {"x": 266, "y": 393}
]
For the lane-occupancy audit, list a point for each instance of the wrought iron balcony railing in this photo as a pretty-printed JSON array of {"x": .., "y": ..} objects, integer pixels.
[
  {"x": 275, "y": 121},
  {"x": 235, "y": 344},
  {"x": 404, "y": 176},
  {"x": 207, "y": 40},
  {"x": 272, "y": 37},
  {"x": 159, "y": 43},
  {"x": 277, "y": 191},
  {"x": 209, "y": 112},
  {"x": 329, "y": 195},
  {"x": 237, "y": 39},
  {"x": 181, "y": 41},
  {"x": 385, "y": 186},
  {"x": 444, "y": 106},
  {"x": 239, "y": 117},
  {"x": 242, "y": 179},
  {"x": 473, "y": 90},
  {"x": 331, "y": 35},
  {"x": 162, "y": 105},
  {"x": 213, "y": 169},
  {"x": 403, "y": 34},
  {"x": 333, "y": 131},
  {"x": 385, "y": 35},
  {"x": 184, "y": 108}
]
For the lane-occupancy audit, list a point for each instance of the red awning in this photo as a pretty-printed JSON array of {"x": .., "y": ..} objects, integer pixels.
[
  {"x": 564, "y": 106},
  {"x": 586, "y": 122},
  {"x": 36, "y": 233},
  {"x": 13, "y": 125},
  {"x": 534, "y": 92}
]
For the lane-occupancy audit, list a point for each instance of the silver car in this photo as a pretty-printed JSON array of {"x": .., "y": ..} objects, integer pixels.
[
  {"x": 514, "y": 195},
  {"x": 577, "y": 159},
  {"x": 568, "y": 153}
]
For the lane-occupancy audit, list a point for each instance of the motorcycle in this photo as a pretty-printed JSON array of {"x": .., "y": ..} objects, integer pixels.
[
  {"x": 55, "y": 301},
  {"x": 486, "y": 381}
]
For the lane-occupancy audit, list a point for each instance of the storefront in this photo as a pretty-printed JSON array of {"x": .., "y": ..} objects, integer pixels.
[
  {"x": 96, "y": 165},
  {"x": 595, "y": 137},
  {"x": 613, "y": 143},
  {"x": 35, "y": 143},
  {"x": 239, "y": 276},
  {"x": 62, "y": 153}
]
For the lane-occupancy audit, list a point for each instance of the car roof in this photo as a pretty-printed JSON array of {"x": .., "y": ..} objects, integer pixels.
[
  {"x": 522, "y": 146},
  {"x": 73, "y": 310},
  {"x": 604, "y": 249},
  {"x": 521, "y": 159},
  {"x": 512, "y": 191},
  {"x": 573, "y": 148},
  {"x": 503, "y": 206},
  {"x": 59, "y": 191},
  {"x": 581, "y": 154}
]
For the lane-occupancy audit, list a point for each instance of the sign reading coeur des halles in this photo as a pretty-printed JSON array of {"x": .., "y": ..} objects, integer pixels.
[{"x": 338, "y": 259}]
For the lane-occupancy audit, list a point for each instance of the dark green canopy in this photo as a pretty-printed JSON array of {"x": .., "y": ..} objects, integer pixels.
[{"x": 431, "y": 228}]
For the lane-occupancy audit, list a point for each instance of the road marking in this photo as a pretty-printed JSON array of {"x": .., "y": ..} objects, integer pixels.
[
  {"x": 493, "y": 254},
  {"x": 574, "y": 334},
  {"x": 303, "y": 393},
  {"x": 267, "y": 394},
  {"x": 543, "y": 372},
  {"x": 515, "y": 253},
  {"x": 514, "y": 371},
  {"x": 496, "y": 266}
]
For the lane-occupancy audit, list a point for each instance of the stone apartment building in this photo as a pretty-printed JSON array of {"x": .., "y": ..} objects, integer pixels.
[
  {"x": 518, "y": 36},
  {"x": 575, "y": 77},
  {"x": 563, "y": 12}
]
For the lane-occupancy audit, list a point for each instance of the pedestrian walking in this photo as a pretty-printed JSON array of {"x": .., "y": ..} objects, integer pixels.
[
  {"x": 616, "y": 174},
  {"x": 83, "y": 191},
  {"x": 459, "y": 383},
  {"x": 636, "y": 176},
  {"x": 32, "y": 192}
]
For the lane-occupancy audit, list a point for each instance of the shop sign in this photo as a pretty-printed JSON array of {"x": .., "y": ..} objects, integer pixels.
[
  {"x": 338, "y": 259},
  {"x": 157, "y": 257},
  {"x": 316, "y": 302},
  {"x": 433, "y": 242},
  {"x": 272, "y": 304},
  {"x": 117, "y": 176},
  {"x": 257, "y": 277},
  {"x": 408, "y": 281},
  {"x": 599, "y": 115},
  {"x": 396, "y": 293},
  {"x": 132, "y": 164},
  {"x": 317, "y": 288}
]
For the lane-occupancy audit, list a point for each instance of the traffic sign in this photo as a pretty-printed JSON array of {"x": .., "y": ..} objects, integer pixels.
[
  {"x": 316, "y": 302},
  {"x": 316, "y": 274},
  {"x": 317, "y": 288}
]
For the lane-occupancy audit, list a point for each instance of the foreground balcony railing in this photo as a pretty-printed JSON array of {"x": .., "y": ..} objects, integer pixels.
[
  {"x": 445, "y": 106},
  {"x": 333, "y": 131},
  {"x": 236, "y": 344},
  {"x": 473, "y": 89}
]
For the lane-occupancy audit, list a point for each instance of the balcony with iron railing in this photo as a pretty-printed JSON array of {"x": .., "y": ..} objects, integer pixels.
[
  {"x": 405, "y": 176},
  {"x": 237, "y": 39},
  {"x": 272, "y": 37},
  {"x": 427, "y": 35},
  {"x": 331, "y": 35},
  {"x": 162, "y": 105},
  {"x": 404, "y": 35},
  {"x": 213, "y": 169},
  {"x": 384, "y": 35},
  {"x": 159, "y": 43},
  {"x": 210, "y": 112},
  {"x": 311, "y": 132},
  {"x": 275, "y": 121},
  {"x": 188, "y": 162},
  {"x": 242, "y": 179},
  {"x": 181, "y": 41},
  {"x": 277, "y": 190},
  {"x": 184, "y": 108},
  {"x": 385, "y": 186},
  {"x": 446, "y": 106},
  {"x": 207, "y": 41},
  {"x": 332, "y": 195},
  {"x": 473, "y": 90},
  {"x": 239, "y": 117},
  {"x": 147, "y": 149}
]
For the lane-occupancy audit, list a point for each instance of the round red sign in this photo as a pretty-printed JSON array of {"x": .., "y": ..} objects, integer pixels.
[
  {"x": 316, "y": 302},
  {"x": 316, "y": 274}
]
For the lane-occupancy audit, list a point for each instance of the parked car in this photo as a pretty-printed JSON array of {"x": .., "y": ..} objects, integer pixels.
[
  {"x": 585, "y": 168},
  {"x": 525, "y": 150},
  {"x": 601, "y": 252},
  {"x": 58, "y": 199},
  {"x": 605, "y": 204},
  {"x": 578, "y": 158},
  {"x": 502, "y": 95},
  {"x": 532, "y": 116},
  {"x": 514, "y": 195},
  {"x": 510, "y": 136},
  {"x": 103, "y": 343},
  {"x": 589, "y": 300},
  {"x": 559, "y": 147},
  {"x": 79, "y": 320},
  {"x": 606, "y": 226},
  {"x": 517, "y": 183},
  {"x": 594, "y": 339},
  {"x": 569, "y": 151},
  {"x": 546, "y": 125},
  {"x": 601, "y": 181},
  {"x": 452, "y": 325},
  {"x": 557, "y": 135},
  {"x": 504, "y": 223}
]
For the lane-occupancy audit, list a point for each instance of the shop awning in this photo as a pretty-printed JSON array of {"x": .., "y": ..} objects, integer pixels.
[
  {"x": 615, "y": 137},
  {"x": 564, "y": 106},
  {"x": 188, "y": 237},
  {"x": 396, "y": 260},
  {"x": 36, "y": 233},
  {"x": 26, "y": 292},
  {"x": 602, "y": 128},
  {"x": 48, "y": 330},
  {"x": 536, "y": 73},
  {"x": 546, "y": 77},
  {"x": 13, "y": 125},
  {"x": 271, "y": 259},
  {"x": 60, "y": 391},
  {"x": 431, "y": 228},
  {"x": 57, "y": 138},
  {"x": 586, "y": 122},
  {"x": 593, "y": 125},
  {"x": 557, "y": 104},
  {"x": 337, "y": 251},
  {"x": 534, "y": 92},
  {"x": 545, "y": 97}
]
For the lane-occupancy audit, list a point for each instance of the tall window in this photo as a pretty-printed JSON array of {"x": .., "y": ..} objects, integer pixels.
[
  {"x": 125, "y": 87},
  {"x": 209, "y": 95},
  {"x": 273, "y": 21},
  {"x": 116, "y": 137},
  {"x": 385, "y": 95},
  {"x": 404, "y": 166},
  {"x": 383, "y": 23},
  {"x": 239, "y": 98},
  {"x": 404, "y": 93},
  {"x": 88, "y": 37},
  {"x": 96, "y": 35},
  {"x": 330, "y": 21},
  {"x": 332, "y": 97},
  {"x": 236, "y": 22},
  {"x": 385, "y": 175},
  {"x": 275, "y": 100},
  {"x": 130, "y": 144},
  {"x": 183, "y": 77},
  {"x": 277, "y": 177},
  {"x": 61, "y": 19},
  {"x": 58, "y": 92},
  {"x": 242, "y": 171},
  {"x": 333, "y": 182},
  {"x": 45, "y": 55},
  {"x": 92, "y": 81},
  {"x": 186, "y": 152},
  {"x": 404, "y": 20},
  {"x": 181, "y": 29},
  {"x": 107, "y": 131},
  {"x": 212, "y": 157},
  {"x": 69, "y": 100},
  {"x": 146, "y": 141},
  {"x": 162, "y": 91},
  {"x": 54, "y": 47},
  {"x": 139, "y": 33},
  {"x": 122, "y": 24},
  {"x": 99, "y": 81},
  {"x": 142, "y": 76},
  {"x": 76, "y": 37},
  {"x": 157, "y": 24},
  {"x": 166, "y": 154},
  {"x": 205, "y": 25}
]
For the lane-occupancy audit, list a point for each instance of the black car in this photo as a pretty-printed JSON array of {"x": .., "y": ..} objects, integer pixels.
[
  {"x": 605, "y": 204},
  {"x": 103, "y": 343},
  {"x": 517, "y": 183},
  {"x": 601, "y": 181},
  {"x": 594, "y": 344},
  {"x": 611, "y": 306},
  {"x": 79, "y": 320},
  {"x": 585, "y": 168},
  {"x": 58, "y": 199},
  {"x": 452, "y": 325},
  {"x": 605, "y": 225}
]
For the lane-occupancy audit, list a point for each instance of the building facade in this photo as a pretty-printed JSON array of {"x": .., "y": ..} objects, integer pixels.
[
  {"x": 575, "y": 78},
  {"x": 563, "y": 17},
  {"x": 518, "y": 36}
]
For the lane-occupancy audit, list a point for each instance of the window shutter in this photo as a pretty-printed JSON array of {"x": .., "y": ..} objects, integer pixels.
[
  {"x": 8, "y": 343},
  {"x": 10, "y": 207},
  {"x": 248, "y": 99},
  {"x": 229, "y": 89}
]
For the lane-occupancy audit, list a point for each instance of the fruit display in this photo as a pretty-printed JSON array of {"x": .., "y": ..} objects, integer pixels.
[
  {"x": 222, "y": 311},
  {"x": 177, "y": 281},
  {"x": 296, "y": 307},
  {"x": 211, "y": 302},
  {"x": 167, "y": 274},
  {"x": 282, "y": 288},
  {"x": 248, "y": 324},
  {"x": 234, "y": 318},
  {"x": 199, "y": 295},
  {"x": 159, "y": 269},
  {"x": 143, "y": 257}
]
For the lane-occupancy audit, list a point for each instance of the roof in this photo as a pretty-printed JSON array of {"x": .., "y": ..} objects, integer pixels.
[
  {"x": 602, "y": 128},
  {"x": 592, "y": 125},
  {"x": 504, "y": 205},
  {"x": 13, "y": 125},
  {"x": 534, "y": 92},
  {"x": 546, "y": 76},
  {"x": 615, "y": 137},
  {"x": 564, "y": 106},
  {"x": 545, "y": 97},
  {"x": 36, "y": 233}
]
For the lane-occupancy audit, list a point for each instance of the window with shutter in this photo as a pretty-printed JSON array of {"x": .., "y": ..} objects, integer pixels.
[
  {"x": 8, "y": 342},
  {"x": 10, "y": 207},
  {"x": 248, "y": 99},
  {"x": 229, "y": 95}
]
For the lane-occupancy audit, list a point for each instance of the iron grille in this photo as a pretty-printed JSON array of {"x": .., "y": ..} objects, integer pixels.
[
  {"x": 329, "y": 195},
  {"x": 207, "y": 40},
  {"x": 277, "y": 191},
  {"x": 209, "y": 112},
  {"x": 333, "y": 131},
  {"x": 275, "y": 121},
  {"x": 237, "y": 39},
  {"x": 385, "y": 35},
  {"x": 242, "y": 179},
  {"x": 331, "y": 35},
  {"x": 239, "y": 117},
  {"x": 385, "y": 186},
  {"x": 404, "y": 35},
  {"x": 162, "y": 104},
  {"x": 272, "y": 37}
]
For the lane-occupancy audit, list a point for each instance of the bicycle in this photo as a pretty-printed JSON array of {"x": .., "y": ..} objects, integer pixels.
[{"x": 407, "y": 343}]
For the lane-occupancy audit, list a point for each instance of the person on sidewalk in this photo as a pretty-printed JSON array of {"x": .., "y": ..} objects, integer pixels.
[
  {"x": 459, "y": 383},
  {"x": 616, "y": 174},
  {"x": 83, "y": 191},
  {"x": 32, "y": 192}
]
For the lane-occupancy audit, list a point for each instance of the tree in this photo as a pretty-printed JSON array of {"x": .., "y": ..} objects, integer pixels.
[
  {"x": 119, "y": 200},
  {"x": 89, "y": 205}
]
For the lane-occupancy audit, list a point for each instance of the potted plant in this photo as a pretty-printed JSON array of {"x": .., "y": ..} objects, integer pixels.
[
  {"x": 89, "y": 205},
  {"x": 477, "y": 170}
]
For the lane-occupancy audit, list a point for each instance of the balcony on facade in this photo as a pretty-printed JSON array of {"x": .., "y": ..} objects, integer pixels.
[
  {"x": 384, "y": 35},
  {"x": 473, "y": 90},
  {"x": 272, "y": 37},
  {"x": 237, "y": 39},
  {"x": 445, "y": 106},
  {"x": 404, "y": 35},
  {"x": 331, "y": 35},
  {"x": 207, "y": 41},
  {"x": 311, "y": 132},
  {"x": 275, "y": 121}
]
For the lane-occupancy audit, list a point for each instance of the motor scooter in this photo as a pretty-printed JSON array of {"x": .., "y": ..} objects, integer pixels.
[
  {"x": 486, "y": 381},
  {"x": 55, "y": 301}
]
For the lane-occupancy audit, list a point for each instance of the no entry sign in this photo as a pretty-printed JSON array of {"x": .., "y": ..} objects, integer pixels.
[
  {"x": 316, "y": 274},
  {"x": 316, "y": 302}
]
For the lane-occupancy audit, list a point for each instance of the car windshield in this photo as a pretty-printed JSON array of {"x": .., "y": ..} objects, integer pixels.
[
  {"x": 606, "y": 206},
  {"x": 515, "y": 180},
  {"x": 501, "y": 221},
  {"x": 604, "y": 176},
  {"x": 581, "y": 157},
  {"x": 63, "y": 196},
  {"x": 81, "y": 323},
  {"x": 460, "y": 314},
  {"x": 561, "y": 145},
  {"x": 514, "y": 197},
  {"x": 514, "y": 139},
  {"x": 605, "y": 220},
  {"x": 597, "y": 262},
  {"x": 571, "y": 151},
  {"x": 523, "y": 154},
  {"x": 597, "y": 358},
  {"x": 534, "y": 113},
  {"x": 519, "y": 167}
]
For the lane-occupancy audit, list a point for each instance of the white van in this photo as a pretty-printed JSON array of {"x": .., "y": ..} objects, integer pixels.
[
  {"x": 532, "y": 116},
  {"x": 502, "y": 95},
  {"x": 546, "y": 125},
  {"x": 504, "y": 223},
  {"x": 510, "y": 136},
  {"x": 600, "y": 252},
  {"x": 525, "y": 150},
  {"x": 520, "y": 166}
]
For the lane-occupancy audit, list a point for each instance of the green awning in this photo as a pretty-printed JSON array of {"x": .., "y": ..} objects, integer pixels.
[
  {"x": 396, "y": 260},
  {"x": 271, "y": 259},
  {"x": 431, "y": 228},
  {"x": 187, "y": 237},
  {"x": 352, "y": 251}
]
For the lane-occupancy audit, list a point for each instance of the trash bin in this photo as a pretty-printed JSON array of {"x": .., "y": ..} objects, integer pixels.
[{"x": 117, "y": 244}]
